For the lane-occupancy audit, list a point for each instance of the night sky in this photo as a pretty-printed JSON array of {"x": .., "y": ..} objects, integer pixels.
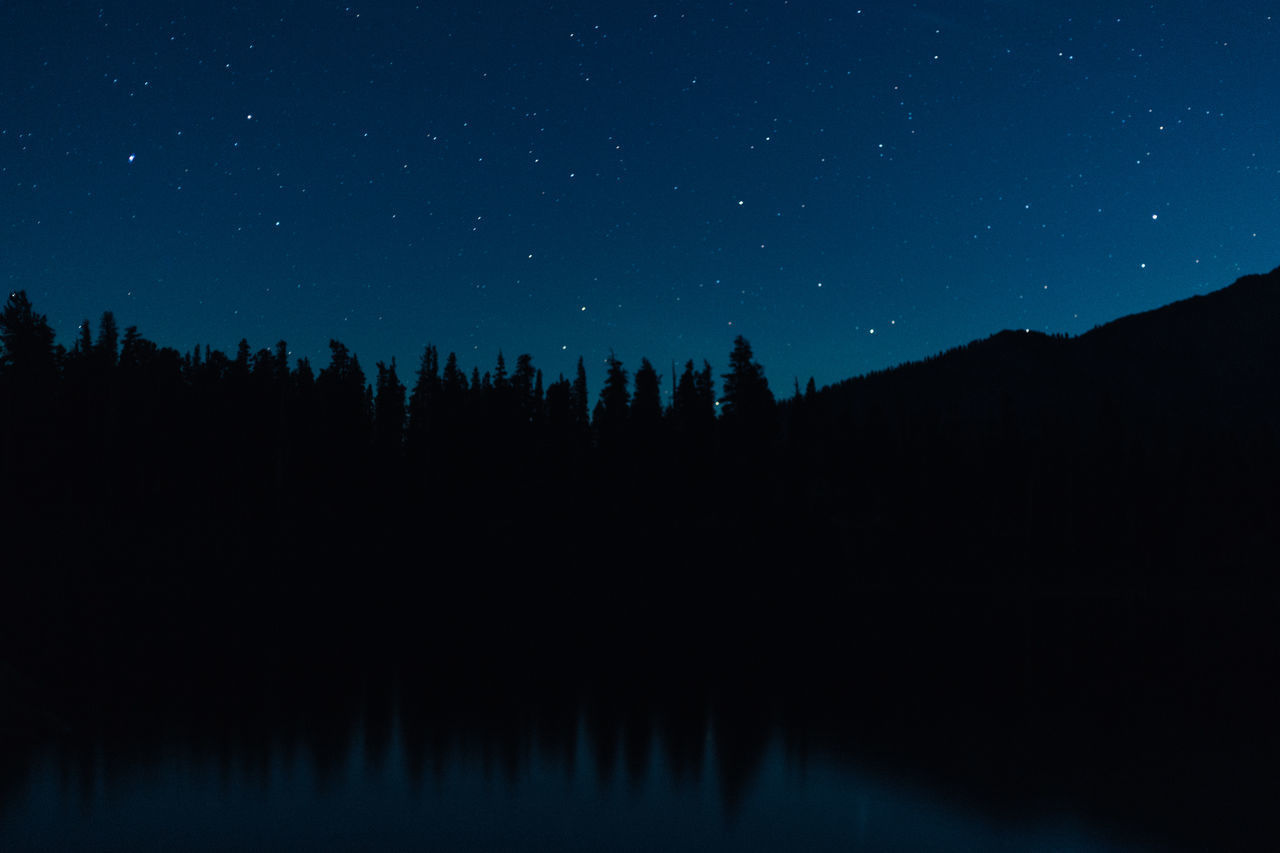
[{"x": 847, "y": 185}]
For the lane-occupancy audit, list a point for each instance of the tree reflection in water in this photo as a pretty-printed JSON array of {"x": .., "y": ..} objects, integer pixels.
[{"x": 396, "y": 764}]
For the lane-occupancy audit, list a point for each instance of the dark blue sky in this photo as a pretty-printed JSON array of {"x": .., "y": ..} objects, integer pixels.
[{"x": 848, "y": 185}]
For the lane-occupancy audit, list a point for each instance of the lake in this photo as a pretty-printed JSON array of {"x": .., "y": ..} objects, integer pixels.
[
  {"x": 1094, "y": 726},
  {"x": 376, "y": 769}
]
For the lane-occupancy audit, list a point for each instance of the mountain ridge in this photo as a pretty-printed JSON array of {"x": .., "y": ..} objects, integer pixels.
[{"x": 1207, "y": 349}]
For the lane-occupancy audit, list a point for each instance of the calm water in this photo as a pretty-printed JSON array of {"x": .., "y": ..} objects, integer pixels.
[{"x": 578, "y": 784}]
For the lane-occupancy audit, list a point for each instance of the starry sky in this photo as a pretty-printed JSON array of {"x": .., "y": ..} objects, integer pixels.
[{"x": 849, "y": 185}]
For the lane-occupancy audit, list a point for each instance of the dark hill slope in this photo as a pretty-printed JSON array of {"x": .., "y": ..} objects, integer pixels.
[
  {"x": 1214, "y": 358},
  {"x": 1146, "y": 445}
]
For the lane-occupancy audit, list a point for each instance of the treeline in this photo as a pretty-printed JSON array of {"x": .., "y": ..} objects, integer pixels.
[
  {"x": 1135, "y": 450},
  {"x": 126, "y": 419},
  {"x": 1021, "y": 468},
  {"x": 159, "y": 490}
]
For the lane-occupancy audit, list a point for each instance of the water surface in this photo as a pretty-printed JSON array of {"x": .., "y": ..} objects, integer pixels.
[{"x": 589, "y": 780}]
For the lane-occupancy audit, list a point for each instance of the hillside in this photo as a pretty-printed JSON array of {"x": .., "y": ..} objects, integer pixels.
[{"x": 1213, "y": 358}]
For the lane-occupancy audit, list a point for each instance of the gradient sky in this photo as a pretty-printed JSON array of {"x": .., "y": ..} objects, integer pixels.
[{"x": 848, "y": 185}]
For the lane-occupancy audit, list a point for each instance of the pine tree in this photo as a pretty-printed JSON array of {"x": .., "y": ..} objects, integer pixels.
[
  {"x": 748, "y": 412},
  {"x": 388, "y": 411},
  {"x": 83, "y": 347},
  {"x": 705, "y": 390},
  {"x": 558, "y": 396},
  {"x": 538, "y": 398},
  {"x": 304, "y": 378},
  {"x": 344, "y": 402},
  {"x": 500, "y": 374},
  {"x": 453, "y": 381},
  {"x": 133, "y": 349},
  {"x": 746, "y": 391},
  {"x": 610, "y": 414},
  {"x": 578, "y": 398},
  {"x": 528, "y": 400},
  {"x": 646, "y": 406},
  {"x": 108, "y": 340},
  {"x": 693, "y": 406},
  {"x": 423, "y": 402},
  {"x": 26, "y": 343},
  {"x": 240, "y": 367}
]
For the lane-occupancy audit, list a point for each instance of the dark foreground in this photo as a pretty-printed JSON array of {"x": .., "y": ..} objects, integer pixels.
[{"x": 1143, "y": 711}]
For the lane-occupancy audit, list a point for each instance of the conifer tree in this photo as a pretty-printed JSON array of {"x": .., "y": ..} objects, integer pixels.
[
  {"x": 693, "y": 406},
  {"x": 83, "y": 347},
  {"x": 610, "y": 414},
  {"x": 304, "y": 378},
  {"x": 344, "y": 401},
  {"x": 240, "y": 366},
  {"x": 500, "y": 374},
  {"x": 453, "y": 381},
  {"x": 423, "y": 402},
  {"x": 646, "y": 406},
  {"x": 559, "y": 393},
  {"x": 135, "y": 350},
  {"x": 26, "y": 343},
  {"x": 578, "y": 397},
  {"x": 522, "y": 386},
  {"x": 538, "y": 398},
  {"x": 684, "y": 396},
  {"x": 108, "y": 340},
  {"x": 705, "y": 391},
  {"x": 389, "y": 411},
  {"x": 746, "y": 391}
]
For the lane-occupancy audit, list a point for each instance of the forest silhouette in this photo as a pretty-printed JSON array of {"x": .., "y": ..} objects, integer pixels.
[{"x": 1025, "y": 521}]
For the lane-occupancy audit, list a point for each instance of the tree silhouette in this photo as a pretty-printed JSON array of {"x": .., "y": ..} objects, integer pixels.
[
  {"x": 424, "y": 400},
  {"x": 27, "y": 352},
  {"x": 388, "y": 413},
  {"x": 646, "y": 406},
  {"x": 693, "y": 410},
  {"x": 500, "y": 374},
  {"x": 453, "y": 383},
  {"x": 558, "y": 395},
  {"x": 685, "y": 398},
  {"x": 528, "y": 399},
  {"x": 746, "y": 391},
  {"x": 610, "y": 415},
  {"x": 28, "y": 371},
  {"x": 578, "y": 401},
  {"x": 345, "y": 410},
  {"x": 108, "y": 340},
  {"x": 83, "y": 346},
  {"x": 748, "y": 405},
  {"x": 705, "y": 390}
]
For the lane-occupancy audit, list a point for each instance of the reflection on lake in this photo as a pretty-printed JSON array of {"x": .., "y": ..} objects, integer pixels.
[
  {"x": 588, "y": 776},
  {"x": 1085, "y": 734}
]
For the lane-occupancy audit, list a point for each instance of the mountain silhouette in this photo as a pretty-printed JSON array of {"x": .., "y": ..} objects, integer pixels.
[{"x": 1209, "y": 358}]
